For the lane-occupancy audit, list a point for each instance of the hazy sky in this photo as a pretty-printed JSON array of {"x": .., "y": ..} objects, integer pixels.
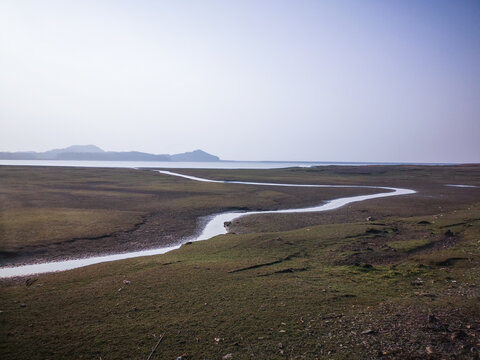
[{"x": 245, "y": 80}]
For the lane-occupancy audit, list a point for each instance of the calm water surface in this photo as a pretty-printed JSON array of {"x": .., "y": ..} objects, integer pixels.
[{"x": 186, "y": 165}]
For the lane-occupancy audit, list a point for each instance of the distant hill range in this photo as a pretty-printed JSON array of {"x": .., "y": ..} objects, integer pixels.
[{"x": 92, "y": 152}]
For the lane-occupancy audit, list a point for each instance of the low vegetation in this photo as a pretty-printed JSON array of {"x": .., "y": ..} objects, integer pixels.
[
  {"x": 408, "y": 245},
  {"x": 46, "y": 226}
]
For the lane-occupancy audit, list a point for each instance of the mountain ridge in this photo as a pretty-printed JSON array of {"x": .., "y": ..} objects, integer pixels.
[{"x": 94, "y": 153}]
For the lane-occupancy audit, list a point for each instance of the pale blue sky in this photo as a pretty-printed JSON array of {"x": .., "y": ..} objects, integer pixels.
[{"x": 245, "y": 80}]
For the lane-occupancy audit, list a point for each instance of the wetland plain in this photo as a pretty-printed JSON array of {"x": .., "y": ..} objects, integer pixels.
[{"x": 391, "y": 277}]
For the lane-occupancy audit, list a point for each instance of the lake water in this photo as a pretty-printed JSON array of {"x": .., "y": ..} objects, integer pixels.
[{"x": 188, "y": 165}]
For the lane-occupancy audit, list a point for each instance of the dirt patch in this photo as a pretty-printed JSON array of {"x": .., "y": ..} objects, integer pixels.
[
  {"x": 375, "y": 249},
  {"x": 415, "y": 332}
]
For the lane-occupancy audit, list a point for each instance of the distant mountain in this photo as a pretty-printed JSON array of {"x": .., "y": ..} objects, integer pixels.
[
  {"x": 197, "y": 155},
  {"x": 112, "y": 156},
  {"x": 75, "y": 149},
  {"x": 80, "y": 149},
  {"x": 92, "y": 152}
]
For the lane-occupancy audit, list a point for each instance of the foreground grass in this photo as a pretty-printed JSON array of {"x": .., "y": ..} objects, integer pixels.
[{"x": 292, "y": 294}]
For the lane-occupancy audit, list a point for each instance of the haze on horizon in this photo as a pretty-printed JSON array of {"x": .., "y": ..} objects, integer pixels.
[{"x": 395, "y": 81}]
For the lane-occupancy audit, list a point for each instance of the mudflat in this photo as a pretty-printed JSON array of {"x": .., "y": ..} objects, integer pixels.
[{"x": 386, "y": 278}]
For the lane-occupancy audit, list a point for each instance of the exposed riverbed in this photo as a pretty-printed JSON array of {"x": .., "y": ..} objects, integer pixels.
[{"x": 215, "y": 226}]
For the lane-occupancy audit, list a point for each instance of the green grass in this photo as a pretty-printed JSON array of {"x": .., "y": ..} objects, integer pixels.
[
  {"x": 47, "y": 225},
  {"x": 409, "y": 245},
  {"x": 252, "y": 292}
]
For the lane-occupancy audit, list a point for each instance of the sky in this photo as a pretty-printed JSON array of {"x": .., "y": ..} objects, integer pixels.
[{"x": 299, "y": 80}]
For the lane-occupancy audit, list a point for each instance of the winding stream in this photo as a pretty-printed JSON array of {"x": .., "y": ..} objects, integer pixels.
[{"x": 215, "y": 226}]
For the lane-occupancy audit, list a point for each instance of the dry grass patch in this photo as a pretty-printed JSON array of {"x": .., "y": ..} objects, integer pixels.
[
  {"x": 47, "y": 225},
  {"x": 408, "y": 245}
]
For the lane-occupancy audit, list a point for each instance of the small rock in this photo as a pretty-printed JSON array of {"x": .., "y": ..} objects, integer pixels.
[
  {"x": 417, "y": 282},
  {"x": 460, "y": 334},
  {"x": 227, "y": 223},
  {"x": 188, "y": 243},
  {"x": 425, "y": 294},
  {"x": 369, "y": 332},
  {"x": 280, "y": 345},
  {"x": 126, "y": 282},
  {"x": 370, "y": 218},
  {"x": 429, "y": 350},
  {"x": 228, "y": 356},
  {"x": 217, "y": 340},
  {"x": 23, "y": 305},
  {"x": 30, "y": 282}
]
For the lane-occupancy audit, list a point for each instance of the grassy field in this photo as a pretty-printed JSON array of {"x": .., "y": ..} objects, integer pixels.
[{"x": 403, "y": 285}]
